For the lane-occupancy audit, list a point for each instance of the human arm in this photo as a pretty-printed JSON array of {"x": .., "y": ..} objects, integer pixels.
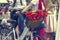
[{"x": 32, "y": 3}]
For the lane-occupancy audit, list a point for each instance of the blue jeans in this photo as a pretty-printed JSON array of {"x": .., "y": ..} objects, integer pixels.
[
  {"x": 14, "y": 24},
  {"x": 14, "y": 17},
  {"x": 21, "y": 19}
]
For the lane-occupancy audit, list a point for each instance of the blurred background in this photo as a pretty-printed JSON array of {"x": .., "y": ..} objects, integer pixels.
[{"x": 52, "y": 29}]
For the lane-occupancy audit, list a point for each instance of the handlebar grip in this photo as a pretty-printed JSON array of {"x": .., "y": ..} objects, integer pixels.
[{"x": 10, "y": 20}]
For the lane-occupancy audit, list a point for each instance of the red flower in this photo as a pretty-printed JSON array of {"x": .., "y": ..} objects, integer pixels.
[
  {"x": 40, "y": 14},
  {"x": 36, "y": 15}
]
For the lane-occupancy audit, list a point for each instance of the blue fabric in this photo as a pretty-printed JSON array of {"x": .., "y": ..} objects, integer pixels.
[
  {"x": 13, "y": 14},
  {"x": 21, "y": 22},
  {"x": 14, "y": 17}
]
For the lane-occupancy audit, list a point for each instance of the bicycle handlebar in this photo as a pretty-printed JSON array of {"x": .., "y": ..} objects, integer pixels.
[{"x": 9, "y": 20}]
